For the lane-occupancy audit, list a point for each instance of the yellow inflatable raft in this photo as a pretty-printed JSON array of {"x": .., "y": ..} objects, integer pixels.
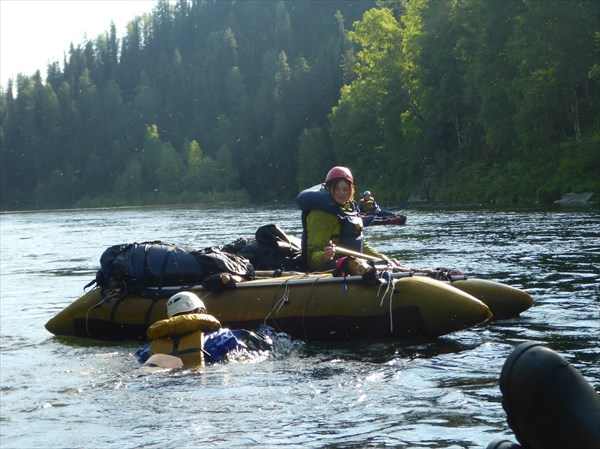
[{"x": 311, "y": 307}]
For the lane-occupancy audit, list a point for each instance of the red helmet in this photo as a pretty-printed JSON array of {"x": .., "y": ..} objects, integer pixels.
[{"x": 340, "y": 173}]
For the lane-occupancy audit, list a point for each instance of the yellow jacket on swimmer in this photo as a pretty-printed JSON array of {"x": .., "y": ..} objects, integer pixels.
[{"x": 182, "y": 334}]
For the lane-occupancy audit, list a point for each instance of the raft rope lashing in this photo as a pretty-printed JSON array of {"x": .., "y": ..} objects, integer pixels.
[
  {"x": 106, "y": 298},
  {"x": 388, "y": 289},
  {"x": 285, "y": 299},
  {"x": 280, "y": 302},
  {"x": 149, "y": 311},
  {"x": 310, "y": 292}
]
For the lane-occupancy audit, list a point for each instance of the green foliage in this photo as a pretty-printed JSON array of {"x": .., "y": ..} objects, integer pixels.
[
  {"x": 314, "y": 157},
  {"x": 473, "y": 100},
  {"x": 459, "y": 100},
  {"x": 228, "y": 175},
  {"x": 241, "y": 79},
  {"x": 169, "y": 173},
  {"x": 579, "y": 166},
  {"x": 129, "y": 184},
  {"x": 594, "y": 72}
]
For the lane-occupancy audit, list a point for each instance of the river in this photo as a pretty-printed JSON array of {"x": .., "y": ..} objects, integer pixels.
[{"x": 444, "y": 393}]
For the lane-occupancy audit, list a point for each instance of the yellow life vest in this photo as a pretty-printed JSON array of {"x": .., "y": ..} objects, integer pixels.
[
  {"x": 182, "y": 336},
  {"x": 367, "y": 205}
]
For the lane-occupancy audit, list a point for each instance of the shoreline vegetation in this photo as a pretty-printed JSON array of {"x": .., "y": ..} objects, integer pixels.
[
  {"x": 470, "y": 101},
  {"x": 585, "y": 200}
]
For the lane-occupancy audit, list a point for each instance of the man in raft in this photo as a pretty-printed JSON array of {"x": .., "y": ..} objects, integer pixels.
[{"x": 367, "y": 204}]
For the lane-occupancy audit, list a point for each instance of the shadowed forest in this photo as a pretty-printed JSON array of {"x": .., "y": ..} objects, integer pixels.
[{"x": 438, "y": 101}]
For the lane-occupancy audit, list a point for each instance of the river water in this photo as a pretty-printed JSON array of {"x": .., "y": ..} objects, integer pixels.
[{"x": 443, "y": 393}]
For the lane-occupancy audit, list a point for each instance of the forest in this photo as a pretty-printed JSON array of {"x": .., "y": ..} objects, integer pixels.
[{"x": 454, "y": 101}]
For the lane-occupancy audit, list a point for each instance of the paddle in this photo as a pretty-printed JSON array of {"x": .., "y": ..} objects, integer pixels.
[{"x": 349, "y": 252}]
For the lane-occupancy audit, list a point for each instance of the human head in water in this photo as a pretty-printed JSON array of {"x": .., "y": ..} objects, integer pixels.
[
  {"x": 184, "y": 302},
  {"x": 339, "y": 182}
]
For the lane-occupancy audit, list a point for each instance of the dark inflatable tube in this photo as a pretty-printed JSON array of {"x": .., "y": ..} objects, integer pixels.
[
  {"x": 548, "y": 403},
  {"x": 503, "y": 443}
]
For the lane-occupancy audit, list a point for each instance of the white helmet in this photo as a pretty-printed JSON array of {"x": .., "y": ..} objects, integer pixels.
[{"x": 183, "y": 302}]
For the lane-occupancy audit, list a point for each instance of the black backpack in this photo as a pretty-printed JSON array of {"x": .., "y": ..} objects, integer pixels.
[
  {"x": 154, "y": 265},
  {"x": 273, "y": 249}
]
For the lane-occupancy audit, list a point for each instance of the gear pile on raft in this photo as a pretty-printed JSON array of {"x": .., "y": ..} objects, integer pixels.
[
  {"x": 254, "y": 282},
  {"x": 288, "y": 283}
]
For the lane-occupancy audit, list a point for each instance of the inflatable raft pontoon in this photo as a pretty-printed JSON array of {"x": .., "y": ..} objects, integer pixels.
[{"x": 311, "y": 307}]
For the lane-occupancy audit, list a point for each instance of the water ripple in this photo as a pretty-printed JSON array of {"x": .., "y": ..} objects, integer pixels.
[{"x": 66, "y": 392}]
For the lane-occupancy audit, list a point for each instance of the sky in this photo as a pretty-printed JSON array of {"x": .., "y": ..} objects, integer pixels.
[{"x": 34, "y": 33}]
